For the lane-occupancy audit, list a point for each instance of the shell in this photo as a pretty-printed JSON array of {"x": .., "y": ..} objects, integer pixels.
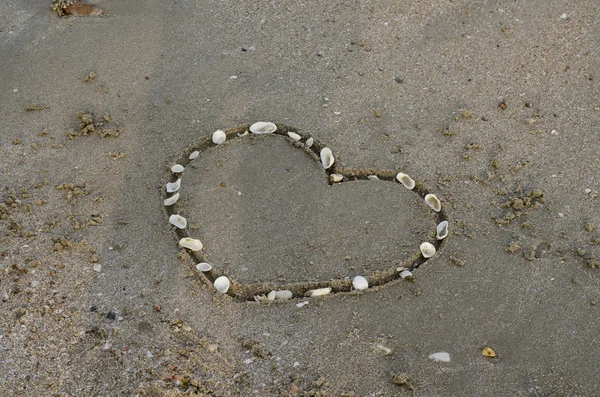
[
  {"x": 440, "y": 356},
  {"x": 327, "y": 158},
  {"x": 318, "y": 292},
  {"x": 222, "y": 284},
  {"x": 406, "y": 180},
  {"x": 309, "y": 142},
  {"x": 263, "y": 127},
  {"x": 360, "y": 283},
  {"x": 433, "y": 202},
  {"x": 219, "y": 137},
  {"x": 294, "y": 136},
  {"x": 427, "y": 249},
  {"x": 190, "y": 243},
  {"x": 194, "y": 154},
  {"x": 204, "y": 267},
  {"x": 373, "y": 177},
  {"x": 442, "y": 230},
  {"x": 178, "y": 221},
  {"x": 281, "y": 295},
  {"x": 177, "y": 168},
  {"x": 337, "y": 178},
  {"x": 406, "y": 274},
  {"x": 171, "y": 200},
  {"x": 173, "y": 186}
]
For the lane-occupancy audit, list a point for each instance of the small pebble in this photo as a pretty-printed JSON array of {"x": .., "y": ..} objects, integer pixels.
[
  {"x": 563, "y": 16},
  {"x": 93, "y": 308},
  {"x": 111, "y": 315},
  {"x": 97, "y": 267}
]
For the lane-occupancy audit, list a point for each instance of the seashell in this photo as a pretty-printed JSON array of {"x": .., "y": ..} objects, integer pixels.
[
  {"x": 222, "y": 284},
  {"x": 302, "y": 304},
  {"x": 281, "y": 295},
  {"x": 177, "y": 168},
  {"x": 263, "y": 127},
  {"x": 173, "y": 186},
  {"x": 178, "y": 221},
  {"x": 427, "y": 249},
  {"x": 433, "y": 202},
  {"x": 384, "y": 349},
  {"x": 406, "y": 274},
  {"x": 318, "y": 292},
  {"x": 373, "y": 177},
  {"x": 219, "y": 137},
  {"x": 327, "y": 158},
  {"x": 194, "y": 154},
  {"x": 406, "y": 180},
  {"x": 190, "y": 243},
  {"x": 442, "y": 230},
  {"x": 309, "y": 142},
  {"x": 171, "y": 200},
  {"x": 204, "y": 267},
  {"x": 440, "y": 356},
  {"x": 360, "y": 283},
  {"x": 337, "y": 178},
  {"x": 294, "y": 136},
  {"x": 240, "y": 135}
]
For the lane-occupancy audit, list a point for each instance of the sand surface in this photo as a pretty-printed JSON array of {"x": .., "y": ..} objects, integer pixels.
[{"x": 492, "y": 105}]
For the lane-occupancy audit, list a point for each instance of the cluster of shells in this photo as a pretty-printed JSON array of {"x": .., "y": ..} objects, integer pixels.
[{"x": 269, "y": 293}]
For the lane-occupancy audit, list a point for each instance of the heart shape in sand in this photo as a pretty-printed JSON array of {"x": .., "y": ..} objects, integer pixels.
[{"x": 271, "y": 230}]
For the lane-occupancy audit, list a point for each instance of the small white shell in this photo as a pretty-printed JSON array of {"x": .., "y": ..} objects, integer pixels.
[
  {"x": 177, "y": 168},
  {"x": 440, "y": 356},
  {"x": 427, "y": 249},
  {"x": 327, "y": 158},
  {"x": 178, "y": 221},
  {"x": 309, "y": 142},
  {"x": 294, "y": 136},
  {"x": 222, "y": 284},
  {"x": 442, "y": 230},
  {"x": 318, "y": 292},
  {"x": 433, "y": 202},
  {"x": 194, "y": 154},
  {"x": 337, "y": 178},
  {"x": 173, "y": 186},
  {"x": 406, "y": 180},
  {"x": 190, "y": 243},
  {"x": 373, "y": 177},
  {"x": 171, "y": 200},
  {"x": 406, "y": 274},
  {"x": 219, "y": 137},
  {"x": 281, "y": 295},
  {"x": 263, "y": 127},
  {"x": 360, "y": 283},
  {"x": 204, "y": 267}
]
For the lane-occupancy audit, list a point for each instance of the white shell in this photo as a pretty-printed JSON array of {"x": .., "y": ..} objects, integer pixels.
[
  {"x": 263, "y": 127},
  {"x": 309, "y": 142},
  {"x": 204, "y": 267},
  {"x": 178, "y": 221},
  {"x": 337, "y": 178},
  {"x": 222, "y": 284},
  {"x": 440, "y": 356},
  {"x": 282, "y": 295},
  {"x": 360, "y": 283},
  {"x": 373, "y": 177},
  {"x": 173, "y": 186},
  {"x": 219, "y": 137},
  {"x": 171, "y": 200},
  {"x": 194, "y": 154},
  {"x": 318, "y": 292},
  {"x": 294, "y": 136},
  {"x": 427, "y": 249},
  {"x": 406, "y": 180},
  {"x": 406, "y": 274},
  {"x": 327, "y": 158},
  {"x": 190, "y": 243},
  {"x": 433, "y": 202},
  {"x": 442, "y": 230},
  {"x": 177, "y": 168}
]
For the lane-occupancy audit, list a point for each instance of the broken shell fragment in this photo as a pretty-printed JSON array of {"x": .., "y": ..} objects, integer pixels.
[
  {"x": 194, "y": 154},
  {"x": 178, "y": 221},
  {"x": 373, "y": 177},
  {"x": 294, "y": 136},
  {"x": 442, "y": 230},
  {"x": 171, "y": 200},
  {"x": 318, "y": 292},
  {"x": 173, "y": 186},
  {"x": 219, "y": 137},
  {"x": 406, "y": 274},
  {"x": 360, "y": 283},
  {"x": 177, "y": 168},
  {"x": 263, "y": 127},
  {"x": 427, "y": 249},
  {"x": 327, "y": 158},
  {"x": 280, "y": 295},
  {"x": 222, "y": 284},
  {"x": 309, "y": 142},
  {"x": 204, "y": 267},
  {"x": 433, "y": 202},
  {"x": 336, "y": 178},
  {"x": 406, "y": 180},
  {"x": 440, "y": 356},
  {"x": 190, "y": 243}
]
